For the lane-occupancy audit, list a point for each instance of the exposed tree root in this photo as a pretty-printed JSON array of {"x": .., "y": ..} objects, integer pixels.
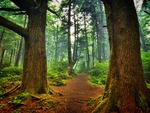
[
  {"x": 52, "y": 92},
  {"x": 11, "y": 90},
  {"x": 45, "y": 99}
]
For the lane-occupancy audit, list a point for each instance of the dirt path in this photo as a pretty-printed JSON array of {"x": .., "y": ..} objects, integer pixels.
[{"x": 75, "y": 95}]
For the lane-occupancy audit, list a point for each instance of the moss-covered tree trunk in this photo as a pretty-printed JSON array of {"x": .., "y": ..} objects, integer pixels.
[
  {"x": 34, "y": 77},
  {"x": 125, "y": 90}
]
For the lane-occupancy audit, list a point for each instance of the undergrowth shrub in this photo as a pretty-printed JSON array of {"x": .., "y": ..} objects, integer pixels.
[
  {"x": 18, "y": 100},
  {"x": 146, "y": 65},
  {"x": 98, "y": 73},
  {"x": 7, "y": 71},
  {"x": 57, "y": 72}
]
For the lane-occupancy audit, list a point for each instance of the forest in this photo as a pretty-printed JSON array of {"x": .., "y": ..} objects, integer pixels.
[{"x": 74, "y": 56}]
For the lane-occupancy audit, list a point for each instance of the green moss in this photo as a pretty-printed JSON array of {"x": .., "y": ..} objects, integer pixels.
[
  {"x": 142, "y": 102},
  {"x": 102, "y": 104}
]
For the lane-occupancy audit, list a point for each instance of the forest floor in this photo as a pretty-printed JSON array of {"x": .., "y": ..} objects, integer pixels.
[
  {"x": 73, "y": 98},
  {"x": 75, "y": 95}
]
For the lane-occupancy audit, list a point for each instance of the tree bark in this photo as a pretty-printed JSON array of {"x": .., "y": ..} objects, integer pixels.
[
  {"x": 19, "y": 52},
  {"x": 125, "y": 90},
  {"x": 87, "y": 47},
  {"x": 101, "y": 22},
  {"x": 20, "y": 46},
  {"x": 98, "y": 42},
  {"x": 34, "y": 73},
  {"x": 93, "y": 45},
  {"x": 56, "y": 45},
  {"x": 1, "y": 60},
  {"x": 143, "y": 45},
  {"x": 1, "y": 44},
  {"x": 69, "y": 41},
  {"x": 75, "y": 48},
  {"x": 11, "y": 56},
  {"x": 14, "y": 27}
]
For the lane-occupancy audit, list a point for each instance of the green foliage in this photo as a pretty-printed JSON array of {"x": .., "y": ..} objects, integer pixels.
[
  {"x": 146, "y": 65},
  {"x": 7, "y": 71},
  {"x": 57, "y": 72},
  {"x": 17, "y": 101},
  {"x": 2, "y": 105},
  {"x": 58, "y": 68},
  {"x": 148, "y": 85},
  {"x": 81, "y": 67},
  {"x": 17, "y": 110},
  {"x": 57, "y": 81},
  {"x": 2, "y": 90},
  {"x": 9, "y": 79},
  {"x": 98, "y": 73}
]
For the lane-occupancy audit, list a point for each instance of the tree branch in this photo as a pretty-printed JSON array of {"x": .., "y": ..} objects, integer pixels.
[
  {"x": 50, "y": 10},
  {"x": 20, "y": 13},
  {"x": 147, "y": 12},
  {"x": 25, "y": 5},
  {"x": 9, "y": 9},
  {"x": 14, "y": 27}
]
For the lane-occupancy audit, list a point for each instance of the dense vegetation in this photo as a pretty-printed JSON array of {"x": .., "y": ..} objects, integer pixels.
[
  {"x": 75, "y": 36},
  {"x": 99, "y": 72}
]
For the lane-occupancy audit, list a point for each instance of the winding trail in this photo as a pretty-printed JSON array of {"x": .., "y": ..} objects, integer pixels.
[{"x": 75, "y": 95}]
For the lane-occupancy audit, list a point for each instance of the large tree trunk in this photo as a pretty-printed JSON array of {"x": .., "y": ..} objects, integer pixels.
[
  {"x": 34, "y": 78},
  {"x": 125, "y": 90}
]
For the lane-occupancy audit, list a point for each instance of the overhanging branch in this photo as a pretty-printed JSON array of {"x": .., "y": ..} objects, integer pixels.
[
  {"x": 147, "y": 12},
  {"x": 50, "y": 10},
  {"x": 14, "y": 27},
  {"x": 24, "y": 4},
  {"x": 9, "y": 9}
]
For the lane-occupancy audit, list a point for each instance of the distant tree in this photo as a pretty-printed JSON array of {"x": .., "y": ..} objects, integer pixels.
[{"x": 18, "y": 55}]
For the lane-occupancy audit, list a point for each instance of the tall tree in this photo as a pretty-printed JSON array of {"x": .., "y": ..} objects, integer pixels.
[
  {"x": 1, "y": 46},
  {"x": 125, "y": 89},
  {"x": 69, "y": 40},
  {"x": 35, "y": 55},
  {"x": 20, "y": 46},
  {"x": 86, "y": 42}
]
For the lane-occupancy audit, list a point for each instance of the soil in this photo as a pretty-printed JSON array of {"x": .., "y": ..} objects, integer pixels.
[
  {"x": 76, "y": 95},
  {"x": 74, "y": 98}
]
